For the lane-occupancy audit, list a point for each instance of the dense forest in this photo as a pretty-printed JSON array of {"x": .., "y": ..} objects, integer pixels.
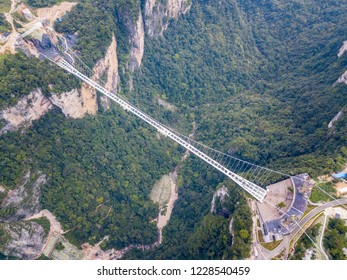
[
  {"x": 266, "y": 88},
  {"x": 194, "y": 232},
  {"x": 257, "y": 78},
  {"x": 19, "y": 75},
  {"x": 335, "y": 239}
]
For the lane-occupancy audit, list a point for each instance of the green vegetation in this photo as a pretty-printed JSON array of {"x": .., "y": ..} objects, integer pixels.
[
  {"x": 113, "y": 166},
  {"x": 4, "y": 25},
  {"x": 19, "y": 75},
  {"x": 95, "y": 26},
  {"x": 45, "y": 223},
  {"x": 43, "y": 258},
  {"x": 255, "y": 95},
  {"x": 272, "y": 245},
  {"x": 5, "y": 6},
  {"x": 42, "y": 3},
  {"x": 257, "y": 77},
  {"x": 281, "y": 204},
  {"x": 59, "y": 246},
  {"x": 3, "y": 257},
  {"x": 209, "y": 238},
  {"x": 19, "y": 18},
  {"x": 318, "y": 195},
  {"x": 335, "y": 239},
  {"x": 260, "y": 236},
  {"x": 95, "y": 22},
  {"x": 305, "y": 243}
]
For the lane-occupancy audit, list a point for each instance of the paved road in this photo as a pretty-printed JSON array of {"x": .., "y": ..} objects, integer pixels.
[{"x": 286, "y": 240}]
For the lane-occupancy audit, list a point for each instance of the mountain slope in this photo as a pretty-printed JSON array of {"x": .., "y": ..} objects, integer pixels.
[{"x": 258, "y": 78}]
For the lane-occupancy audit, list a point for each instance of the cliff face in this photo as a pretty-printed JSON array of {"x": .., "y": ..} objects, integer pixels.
[
  {"x": 137, "y": 38},
  {"x": 158, "y": 14},
  {"x": 26, "y": 239},
  {"x": 156, "y": 21},
  {"x": 108, "y": 66},
  {"x": 75, "y": 104},
  {"x": 27, "y": 110},
  {"x": 342, "y": 51},
  {"x": 23, "y": 201}
]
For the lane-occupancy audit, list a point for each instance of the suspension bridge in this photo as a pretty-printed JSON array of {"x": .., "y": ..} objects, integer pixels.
[
  {"x": 252, "y": 188},
  {"x": 250, "y": 177}
]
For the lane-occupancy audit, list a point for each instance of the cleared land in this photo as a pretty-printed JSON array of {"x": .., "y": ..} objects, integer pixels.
[
  {"x": 318, "y": 195},
  {"x": 161, "y": 191}
]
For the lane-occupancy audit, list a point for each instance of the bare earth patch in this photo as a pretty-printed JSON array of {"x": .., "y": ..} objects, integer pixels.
[
  {"x": 55, "y": 12},
  {"x": 161, "y": 191}
]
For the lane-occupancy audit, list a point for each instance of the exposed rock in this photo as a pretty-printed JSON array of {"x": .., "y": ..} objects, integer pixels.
[
  {"x": 28, "y": 109},
  {"x": 137, "y": 35},
  {"x": 335, "y": 119},
  {"x": 24, "y": 200},
  {"x": 343, "y": 78},
  {"x": 158, "y": 14},
  {"x": 167, "y": 105},
  {"x": 27, "y": 14},
  {"x": 2, "y": 39},
  {"x": 35, "y": 105},
  {"x": 55, "y": 12},
  {"x": 29, "y": 49},
  {"x": 231, "y": 230},
  {"x": 136, "y": 38},
  {"x": 11, "y": 40},
  {"x": 26, "y": 239},
  {"x": 109, "y": 66},
  {"x": 219, "y": 194},
  {"x": 75, "y": 104},
  {"x": 343, "y": 49},
  {"x": 46, "y": 42},
  {"x": 2, "y": 189}
]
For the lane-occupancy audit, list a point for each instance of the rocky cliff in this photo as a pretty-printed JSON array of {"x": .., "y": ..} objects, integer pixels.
[
  {"x": 158, "y": 13},
  {"x": 343, "y": 49},
  {"x": 25, "y": 239},
  {"x": 27, "y": 110},
  {"x": 108, "y": 67},
  {"x": 23, "y": 201},
  {"x": 137, "y": 38},
  {"x": 76, "y": 104},
  {"x": 22, "y": 239}
]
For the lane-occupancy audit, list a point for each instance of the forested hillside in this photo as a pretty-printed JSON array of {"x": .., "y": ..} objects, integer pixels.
[{"x": 256, "y": 77}]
